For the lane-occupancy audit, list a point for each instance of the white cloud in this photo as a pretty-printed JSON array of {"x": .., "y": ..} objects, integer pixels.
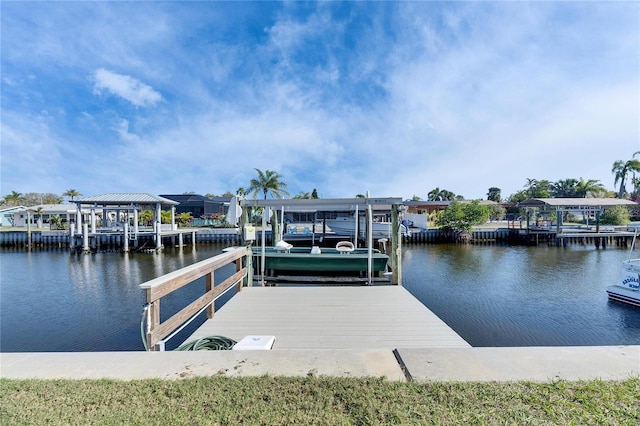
[
  {"x": 394, "y": 98},
  {"x": 126, "y": 87}
]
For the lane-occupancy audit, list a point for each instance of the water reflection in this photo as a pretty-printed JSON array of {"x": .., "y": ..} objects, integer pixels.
[
  {"x": 56, "y": 301},
  {"x": 517, "y": 296},
  {"x": 491, "y": 295}
]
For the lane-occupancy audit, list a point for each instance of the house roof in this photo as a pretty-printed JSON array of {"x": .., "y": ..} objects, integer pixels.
[
  {"x": 52, "y": 208},
  {"x": 12, "y": 209},
  {"x": 426, "y": 203},
  {"x": 119, "y": 199},
  {"x": 575, "y": 202},
  {"x": 187, "y": 198},
  {"x": 55, "y": 208}
]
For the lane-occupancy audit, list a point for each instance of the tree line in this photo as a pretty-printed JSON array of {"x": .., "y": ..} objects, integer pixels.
[
  {"x": 624, "y": 172},
  {"x": 269, "y": 182}
]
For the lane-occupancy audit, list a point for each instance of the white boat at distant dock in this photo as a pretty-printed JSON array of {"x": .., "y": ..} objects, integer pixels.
[
  {"x": 627, "y": 290},
  {"x": 346, "y": 225}
]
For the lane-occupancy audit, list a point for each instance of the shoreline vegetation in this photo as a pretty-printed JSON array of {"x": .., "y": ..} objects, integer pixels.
[{"x": 317, "y": 400}]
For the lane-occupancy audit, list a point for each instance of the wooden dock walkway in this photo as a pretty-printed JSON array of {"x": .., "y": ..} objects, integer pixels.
[{"x": 356, "y": 317}]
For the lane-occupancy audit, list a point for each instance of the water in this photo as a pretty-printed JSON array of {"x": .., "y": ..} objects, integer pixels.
[
  {"x": 54, "y": 301},
  {"x": 491, "y": 295},
  {"x": 523, "y": 296}
]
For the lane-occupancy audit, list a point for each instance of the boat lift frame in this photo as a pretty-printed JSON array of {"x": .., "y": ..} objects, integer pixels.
[{"x": 370, "y": 205}]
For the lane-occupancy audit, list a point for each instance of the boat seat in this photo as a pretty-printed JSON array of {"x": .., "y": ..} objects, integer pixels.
[
  {"x": 344, "y": 247},
  {"x": 283, "y": 246}
]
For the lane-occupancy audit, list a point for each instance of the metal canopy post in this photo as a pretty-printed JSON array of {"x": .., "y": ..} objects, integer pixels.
[
  {"x": 369, "y": 243},
  {"x": 396, "y": 246}
]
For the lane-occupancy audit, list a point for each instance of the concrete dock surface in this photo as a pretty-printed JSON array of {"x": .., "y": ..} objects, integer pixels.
[{"x": 538, "y": 364}]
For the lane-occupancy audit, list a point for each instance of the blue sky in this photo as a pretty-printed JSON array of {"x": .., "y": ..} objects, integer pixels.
[{"x": 394, "y": 98}]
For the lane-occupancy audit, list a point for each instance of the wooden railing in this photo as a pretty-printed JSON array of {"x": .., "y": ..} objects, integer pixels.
[{"x": 162, "y": 286}]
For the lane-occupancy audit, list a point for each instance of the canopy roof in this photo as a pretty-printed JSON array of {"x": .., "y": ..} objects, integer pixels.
[
  {"x": 122, "y": 199},
  {"x": 325, "y": 204},
  {"x": 575, "y": 202}
]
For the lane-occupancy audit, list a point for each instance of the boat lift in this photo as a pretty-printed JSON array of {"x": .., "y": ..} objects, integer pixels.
[{"x": 370, "y": 205}]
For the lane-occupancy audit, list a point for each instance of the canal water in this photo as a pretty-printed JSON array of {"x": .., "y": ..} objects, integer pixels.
[{"x": 52, "y": 300}]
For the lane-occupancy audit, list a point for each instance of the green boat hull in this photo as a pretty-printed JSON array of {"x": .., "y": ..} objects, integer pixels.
[{"x": 329, "y": 261}]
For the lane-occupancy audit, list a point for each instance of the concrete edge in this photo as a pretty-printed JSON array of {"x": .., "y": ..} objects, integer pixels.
[
  {"x": 176, "y": 365},
  {"x": 540, "y": 364}
]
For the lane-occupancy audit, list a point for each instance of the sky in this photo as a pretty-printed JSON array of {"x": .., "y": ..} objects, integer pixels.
[{"x": 393, "y": 99}]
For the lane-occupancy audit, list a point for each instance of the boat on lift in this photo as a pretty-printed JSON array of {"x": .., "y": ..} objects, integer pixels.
[
  {"x": 346, "y": 225},
  {"x": 627, "y": 290}
]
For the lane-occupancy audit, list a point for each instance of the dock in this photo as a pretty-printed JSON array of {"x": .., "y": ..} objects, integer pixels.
[
  {"x": 337, "y": 331},
  {"x": 353, "y": 317}
]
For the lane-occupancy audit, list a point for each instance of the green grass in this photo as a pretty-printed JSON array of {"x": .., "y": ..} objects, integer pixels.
[{"x": 317, "y": 401}]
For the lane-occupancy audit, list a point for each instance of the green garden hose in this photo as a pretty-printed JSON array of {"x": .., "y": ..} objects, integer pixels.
[{"x": 209, "y": 343}]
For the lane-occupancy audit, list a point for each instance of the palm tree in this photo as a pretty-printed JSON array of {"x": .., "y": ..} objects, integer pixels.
[
  {"x": 621, "y": 169},
  {"x": 71, "y": 193},
  {"x": 38, "y": 212},
  {"x": 268, "y": 182},
  {"x": 12, "y": 199},
  {"x": 585, "y": 188},
  {"x": 241, "y": 192},
  {"x": 538, "y": 188},
  {"x": 564, "y": 188},
  {"x": 438, "y": 194},
  {"x": 302, "y": 196},
  {"x": 494, "y": 194},
  {"x": 434, "y": 194}
]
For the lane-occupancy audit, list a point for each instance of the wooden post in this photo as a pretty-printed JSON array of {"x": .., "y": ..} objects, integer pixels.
[
  {"x": 135, "y": 223},
  {"x": 93, "y": 220},
  {"x": 28, "y": 230},
  {"x": 154, "y": 320},
  {"x": 209, "y": 286},
  {"x": 238, "y": 269},
  {"x": 85, "y": 237},
  {"x": 249, "y": 263},
  {"x": 396, "y": 247},
  {"x": 72, "y": 236},
  {"x": 125, "y": 243},
  {"x": 158, "y": 229}
]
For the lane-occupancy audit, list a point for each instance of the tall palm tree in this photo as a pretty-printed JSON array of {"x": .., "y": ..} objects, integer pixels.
[
  {"x": 12, "y": 199},
  {"x": 586, "y": 188},
  {"x": 621, "y": 169},
  {"x": 438, "y": 194},
  {"x": 494, "y": 194},
  {"x": 538, "y": 188},
  {"x": 435, "y": 194},
  {"x": 71, "y": 193},
  {"x": 564, "y": 188},
  {"x": 268, "y": 182},
  {"x": 38, "y": 212}
]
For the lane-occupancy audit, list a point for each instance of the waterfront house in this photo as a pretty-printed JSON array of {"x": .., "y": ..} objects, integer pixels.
[
  {"x": 200, "y": 206},
  {"x": 8, "y": 215},
  {"x": 40, "y": 215}
]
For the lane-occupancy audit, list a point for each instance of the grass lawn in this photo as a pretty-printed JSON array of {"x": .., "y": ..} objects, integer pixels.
[{"x": 317, "y": 401}]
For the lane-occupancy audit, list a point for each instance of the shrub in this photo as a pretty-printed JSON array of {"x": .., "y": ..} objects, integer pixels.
[{"x": 617, "y": 215}]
